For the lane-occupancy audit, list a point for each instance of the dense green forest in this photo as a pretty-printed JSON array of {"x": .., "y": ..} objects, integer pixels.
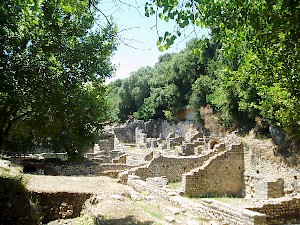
[
  {"x": 54, "y": 61},
  {"x": 247, "y": 69}
]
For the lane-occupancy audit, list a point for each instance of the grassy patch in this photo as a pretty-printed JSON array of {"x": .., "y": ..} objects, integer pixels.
[
  {"x": 151, "y": 209},
  {"x": 13, "y": 172},
  {"x": 175, "y": 185},
  {"x": 85, "y": 219}
]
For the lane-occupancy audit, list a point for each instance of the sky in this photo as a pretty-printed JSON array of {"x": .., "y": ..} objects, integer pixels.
[{"x": 138, "y": 36}]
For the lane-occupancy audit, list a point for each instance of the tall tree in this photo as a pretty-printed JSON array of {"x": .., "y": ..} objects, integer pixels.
[
  {"x": 52, "y": 66},
  {"x": 266, "y": 36}
]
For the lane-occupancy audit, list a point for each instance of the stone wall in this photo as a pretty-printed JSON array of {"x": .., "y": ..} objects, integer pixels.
[
  {"x": 178, "y": 128},
  {"x": 170, "y": 167},
  {"x": 287, "y": 206},
  {"x": 209, "y": 209},
  {"x": 105, "y": 144},
  {"x": 154, "y": 129},
  {"x": 140, "y": 138},
  {"x": 112, "y": 166},
  {"x": 126, "y": 132},
  {"x": 135, "y": 159},
  {"x": 60, "y": 205},
  {"x": 221, "y": 175},
  {"x": 89, "y": 170},
  {"x": 259, "y": 172}
]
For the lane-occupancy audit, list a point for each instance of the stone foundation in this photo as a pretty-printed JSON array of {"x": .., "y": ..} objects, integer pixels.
[
  {"x": 221, "y": 175},
  {"x": 211, "y": 210},
  {"x": 89, "y": 170},
  {"x": 170, "y": 167},
  {"x": 286, "y": 206}
]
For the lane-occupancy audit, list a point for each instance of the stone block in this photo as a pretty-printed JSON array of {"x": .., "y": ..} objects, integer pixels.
[
  {"x": 188, "y": 149},
  {"x": 275, "y": 189}
]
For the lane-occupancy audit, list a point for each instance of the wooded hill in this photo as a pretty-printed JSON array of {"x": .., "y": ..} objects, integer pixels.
[{"x": 247, "y": 70}]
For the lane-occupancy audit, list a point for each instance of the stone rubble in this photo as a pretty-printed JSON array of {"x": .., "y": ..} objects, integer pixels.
[
  {"x": 151, "y": 155},
  {"x": 206, "y": 166}
]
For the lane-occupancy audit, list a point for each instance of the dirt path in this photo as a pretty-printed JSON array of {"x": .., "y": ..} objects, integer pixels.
[
  {"x": 112, "y": 203},
  {"x": 74, "y": 184}
]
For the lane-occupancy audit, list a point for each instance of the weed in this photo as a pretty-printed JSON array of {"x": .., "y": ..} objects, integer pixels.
[
  {"x": 151, "y": 209},
  {"x": 175, "y": 185},
  {"x": 84, "y": 219}
]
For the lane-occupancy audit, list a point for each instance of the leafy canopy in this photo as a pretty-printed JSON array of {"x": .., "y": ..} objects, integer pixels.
[
  {"x": 259, "y": 53},
  {"x": 52, "y": 68}
]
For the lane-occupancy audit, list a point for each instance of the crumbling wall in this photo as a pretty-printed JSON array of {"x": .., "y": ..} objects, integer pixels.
[
  {"x": 288, "y": 207},
  {"x": 170, "y": 167},
  {"x": 105, "y": 143},
  {"x": 153, "y": 129},
  {"x": 259, "y": 172},
  {"x": 88, "y": 169},
  {"x": 126, "y": 132},
  {"x": 140, "y": 138},
  {"x": 221, "y": 175},
  {"x": 178, "y": 128},
  {"x": 60, "y": 205},
  {"x": 135, "y": 159}
]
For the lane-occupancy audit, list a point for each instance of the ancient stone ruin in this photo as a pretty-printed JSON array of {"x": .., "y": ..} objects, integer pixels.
[
  {"x": 154, "y": 156},
  {"x": 157, "y": 153}
]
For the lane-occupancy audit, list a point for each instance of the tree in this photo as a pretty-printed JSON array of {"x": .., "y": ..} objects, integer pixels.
[
  {"x": 127, "y": 96},
  {"x": 52, "y": 66},
  {"x": 263, "y": 37},
  {"x": 170, "y": 84},
  {"x": 159, "y": 91}
]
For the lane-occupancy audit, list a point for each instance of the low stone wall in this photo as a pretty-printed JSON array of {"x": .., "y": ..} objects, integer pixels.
[
  {"x": 78, "y": 170},
  {"x": 221, "y": 175},
  {"x": 286, "y": 206},
  {"x": 224, "y": 213},
  {"x": 170, "y": 167},
  {"x": 150, "y": 186},
  {"x": 90, "y": 170},
  {"x": 211, "y": 210},
  {"x": 118, "y": 167}
]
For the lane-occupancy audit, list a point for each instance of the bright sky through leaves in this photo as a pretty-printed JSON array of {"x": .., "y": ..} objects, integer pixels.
[{"x": 139, "y": 35}]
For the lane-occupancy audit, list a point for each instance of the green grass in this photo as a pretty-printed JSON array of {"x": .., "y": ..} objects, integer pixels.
[
  {"x": 175, "y": 185},
  {"x": 13, "y": 172},
  {"x": 151, "y": 209},
  {"x": 85, "y": 219}
]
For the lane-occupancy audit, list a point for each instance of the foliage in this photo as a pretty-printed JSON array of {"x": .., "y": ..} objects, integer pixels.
[
  {"x": 52, "y": 68},
  {"x": 126, "y": 96},
  {"x": 14, "y": 198},
  {"x": 151, "y": 209},
  {"x": 160, "y": 91},
  {"x": 257, "y": 67}
]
